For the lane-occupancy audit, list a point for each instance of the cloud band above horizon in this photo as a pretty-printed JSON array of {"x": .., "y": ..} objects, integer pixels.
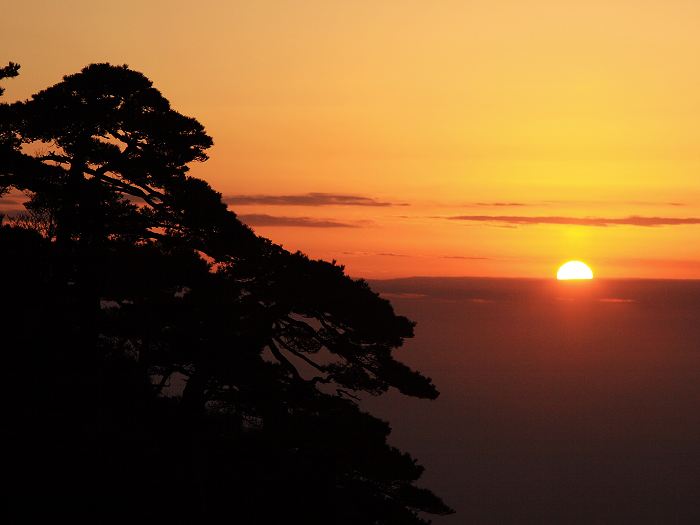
[
  {"x": 308, "y": 199},
  {"x": 261, "y": 219},
  {"x": 633, "y": 220}
]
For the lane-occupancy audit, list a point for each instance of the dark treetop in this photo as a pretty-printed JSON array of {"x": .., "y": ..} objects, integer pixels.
[{"x": 161, "y": 359}]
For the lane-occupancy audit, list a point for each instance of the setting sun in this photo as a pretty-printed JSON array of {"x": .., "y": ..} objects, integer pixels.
[{"x": 574, "y": 270}]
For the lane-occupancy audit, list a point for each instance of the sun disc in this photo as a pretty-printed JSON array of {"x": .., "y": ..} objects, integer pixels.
[{"x": 574, "y": 270}]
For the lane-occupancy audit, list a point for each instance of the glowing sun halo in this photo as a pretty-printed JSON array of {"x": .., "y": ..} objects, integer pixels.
[{"x": 574, "y": 270}]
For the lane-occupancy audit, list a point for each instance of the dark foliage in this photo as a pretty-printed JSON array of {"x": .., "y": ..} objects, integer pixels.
[{"x": 162, "y": 360}]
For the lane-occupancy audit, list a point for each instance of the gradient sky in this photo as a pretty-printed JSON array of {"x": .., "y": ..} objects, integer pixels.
[{"x": 405, "y": 138}]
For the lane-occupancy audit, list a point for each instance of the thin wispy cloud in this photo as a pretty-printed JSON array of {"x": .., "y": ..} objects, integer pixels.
[
  {"x": 574, "y": 202},
  {"x": 498, "y": 204},
  {"x": 613, "y": 203},
  {"x": 258, "y": 219},
  {"x": 464, "y": 257},
  {"x": 376, "y": 254},
  {"x": 559, "y": 203},
  {"x": 308, "y": 199},
  {"x": 416, "y": 256},
  {"x": 634, "y": 220}
]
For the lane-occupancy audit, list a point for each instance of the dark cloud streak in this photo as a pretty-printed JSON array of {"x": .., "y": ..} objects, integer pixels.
[
  {"x": 308, "y": 199},
  {"x": 633, "y": 220},
  {"x": 499, "y": 204},
  {"x": 297, "y": 222}
]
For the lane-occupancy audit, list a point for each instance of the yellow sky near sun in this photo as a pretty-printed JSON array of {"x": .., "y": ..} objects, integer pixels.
[{"x": 573, "y": 109}]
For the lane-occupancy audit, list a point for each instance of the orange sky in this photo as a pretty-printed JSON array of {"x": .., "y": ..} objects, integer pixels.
[{"x": 521, "y": 117}]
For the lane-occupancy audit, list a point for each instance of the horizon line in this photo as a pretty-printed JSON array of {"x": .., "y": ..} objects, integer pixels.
[{"x": 514, "y": 278}]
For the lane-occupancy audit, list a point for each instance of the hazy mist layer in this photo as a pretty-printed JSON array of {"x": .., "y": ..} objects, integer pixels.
[{"x": 561, "y": 402}]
